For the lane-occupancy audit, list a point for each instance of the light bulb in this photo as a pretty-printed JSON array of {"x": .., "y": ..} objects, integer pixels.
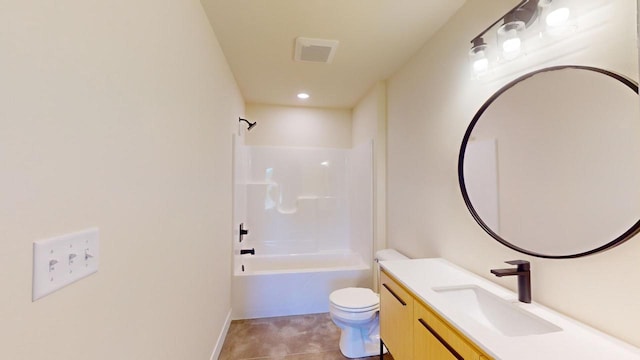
[
  {"x": 303, "y": 96},
  {"x": 481, "y": 65},
  {"x": 558, "y": 17},
  {"x": 513, "y": 43}
]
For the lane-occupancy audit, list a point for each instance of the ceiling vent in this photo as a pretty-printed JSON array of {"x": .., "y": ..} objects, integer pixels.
[{"x": 315, "y": 50}]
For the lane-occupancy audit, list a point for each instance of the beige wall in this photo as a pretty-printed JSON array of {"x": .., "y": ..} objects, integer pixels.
[
  {"x": 431, "y": 102},
  {"x": 116, "y": 114},
  {"x": 298, "y": 126}
]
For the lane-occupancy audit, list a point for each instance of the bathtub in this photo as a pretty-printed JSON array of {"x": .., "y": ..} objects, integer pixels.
[{"x": 280, "y": 285}]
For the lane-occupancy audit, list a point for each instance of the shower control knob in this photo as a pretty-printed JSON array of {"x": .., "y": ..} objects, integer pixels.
[{"x": 243, "y": 231}]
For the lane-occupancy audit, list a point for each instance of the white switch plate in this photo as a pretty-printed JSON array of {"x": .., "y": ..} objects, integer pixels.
[{"x": 62, "y": 260}]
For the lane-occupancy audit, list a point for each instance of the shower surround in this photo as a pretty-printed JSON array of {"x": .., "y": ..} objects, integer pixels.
[{"x": 309, "y": 216}]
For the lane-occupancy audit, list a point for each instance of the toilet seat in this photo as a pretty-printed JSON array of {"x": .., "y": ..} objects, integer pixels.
[
  {"x": 355, "y": 300},
  {"x": 350, "y": 310}
]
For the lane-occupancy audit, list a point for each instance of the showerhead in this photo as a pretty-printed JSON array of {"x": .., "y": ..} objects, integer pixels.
[{"x": 251, "y": 124}]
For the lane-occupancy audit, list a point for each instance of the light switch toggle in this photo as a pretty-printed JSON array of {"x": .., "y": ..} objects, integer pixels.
[
  {"x": 52, "y": 263},
  {"x": 71, "y": 257},
  {"x": 87, "y": 254}
]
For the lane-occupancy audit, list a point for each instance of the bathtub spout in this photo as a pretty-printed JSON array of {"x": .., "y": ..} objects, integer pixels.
[{"x": 251, "y": 251}]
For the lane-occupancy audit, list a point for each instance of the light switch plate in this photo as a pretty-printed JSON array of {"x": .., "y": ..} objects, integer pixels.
[{"x": 62, "y": 260}]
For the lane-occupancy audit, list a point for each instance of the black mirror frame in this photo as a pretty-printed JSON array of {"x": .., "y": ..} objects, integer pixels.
[{"x": 635, "y": 229}]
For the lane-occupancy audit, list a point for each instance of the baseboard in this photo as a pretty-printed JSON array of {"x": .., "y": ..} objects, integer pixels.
[{"x": 223, "y": 334}]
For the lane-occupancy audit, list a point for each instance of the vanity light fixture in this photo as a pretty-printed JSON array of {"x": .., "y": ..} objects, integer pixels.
[
  {"x": 514, "y": 23},
  {"x": 510, "y": 38},
  {"x": 511, "y": 28},
  {"x": 478, "y": 56}
]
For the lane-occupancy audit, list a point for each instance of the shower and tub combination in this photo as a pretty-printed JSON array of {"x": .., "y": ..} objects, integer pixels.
[{"x": 303, "y": 227}]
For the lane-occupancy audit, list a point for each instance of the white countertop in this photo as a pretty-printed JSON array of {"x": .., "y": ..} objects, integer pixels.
[{"x": 575, "y": 341}]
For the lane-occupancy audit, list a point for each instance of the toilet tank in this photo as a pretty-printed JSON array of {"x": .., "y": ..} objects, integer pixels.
[{"x": 384, "y": 255}]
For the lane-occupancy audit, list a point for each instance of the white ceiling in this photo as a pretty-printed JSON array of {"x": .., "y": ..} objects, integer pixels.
[{"x": 376, "y": 38}]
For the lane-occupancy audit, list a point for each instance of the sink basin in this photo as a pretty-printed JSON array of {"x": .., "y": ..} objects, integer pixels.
[{"x": 494, "y": 312}]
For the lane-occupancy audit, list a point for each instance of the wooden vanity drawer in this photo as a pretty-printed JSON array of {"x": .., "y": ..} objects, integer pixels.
[
  {"x": 435, "y": 339},
  {"x": 396, "y": 318}
]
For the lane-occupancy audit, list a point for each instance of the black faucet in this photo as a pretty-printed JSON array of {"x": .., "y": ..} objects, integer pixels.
[
  {"x": 523, "y": 272},
  {"x": 251, "y": 251}
]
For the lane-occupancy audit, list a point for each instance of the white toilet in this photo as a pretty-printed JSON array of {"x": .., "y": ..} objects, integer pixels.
[{"x": 355, "y": 311}]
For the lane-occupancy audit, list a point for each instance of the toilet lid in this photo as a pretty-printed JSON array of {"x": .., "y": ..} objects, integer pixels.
[{"x": 354, "y": 298}]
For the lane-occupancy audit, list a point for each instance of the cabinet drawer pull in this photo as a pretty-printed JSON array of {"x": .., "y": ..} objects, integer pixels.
[
  {"x": 440, "y": 339},
  {"x": 395, "y": 295}
]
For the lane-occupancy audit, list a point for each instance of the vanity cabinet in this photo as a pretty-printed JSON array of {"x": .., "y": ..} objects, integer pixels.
[
  {"x": 412, "y": 330},
  {"x": 396, "y": 327}
]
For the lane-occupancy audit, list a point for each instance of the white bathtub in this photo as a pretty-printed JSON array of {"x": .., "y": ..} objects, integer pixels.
[{"x": 279, "y": 285}]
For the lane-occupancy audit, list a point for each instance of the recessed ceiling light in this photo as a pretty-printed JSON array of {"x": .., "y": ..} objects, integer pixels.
[{"x": 303, "y": 96}]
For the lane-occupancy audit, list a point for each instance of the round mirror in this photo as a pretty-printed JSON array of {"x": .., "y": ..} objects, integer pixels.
[{"x": 550, "y": 164}]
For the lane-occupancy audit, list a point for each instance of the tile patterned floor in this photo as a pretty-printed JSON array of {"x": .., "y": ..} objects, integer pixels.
[{"x": 303, "y": 337}]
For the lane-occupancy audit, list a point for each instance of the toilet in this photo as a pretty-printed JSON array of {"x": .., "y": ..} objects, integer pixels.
[{"x": 355, "y": 312}]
